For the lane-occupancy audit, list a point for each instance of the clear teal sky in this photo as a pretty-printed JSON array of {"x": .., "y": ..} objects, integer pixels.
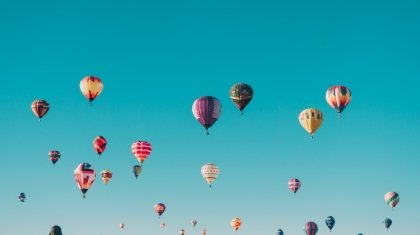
[{"x": 155, "y": 58}]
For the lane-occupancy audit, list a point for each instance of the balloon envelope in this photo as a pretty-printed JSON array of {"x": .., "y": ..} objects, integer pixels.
[
  {"x": 40, "y": 108},
  {"x": 294, "y": 185},
  {"x": 193, "y": 223},
  {"x": 210, "y": 172},
  {"x": 21, "y": 197},
  {"x": 141, "y": 150},
  {"x": 330, "y": 221},
  {"x": 84, "y": 175},
  {"x": 241, "y": 94},
  {"x": 91, "y": 87},
  {"x": 159, "y": 209},
  {"x": 279, "y": 232},
  {"x": 136, "y": 169},
  {"x": 121, "y": 225},
  {"x": 387, "y": 222},
  {"x": 207, "y": 110},
  {"x": 236, "y": 223},
  {"x": 54, "y": 156},
  {"x": 311, "y": 119},
  {"x": 106, "y": 176},
  {"x": 99, "y": 144},
  {"x": 338, "y": 97},
  {"x": 392, "y": 199},
  {"x": 310, "y": 228}
]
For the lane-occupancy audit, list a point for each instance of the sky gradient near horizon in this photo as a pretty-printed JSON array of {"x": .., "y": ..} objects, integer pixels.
[{"x": 155, "y": 58}]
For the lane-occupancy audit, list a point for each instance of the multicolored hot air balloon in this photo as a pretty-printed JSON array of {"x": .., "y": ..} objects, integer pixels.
[
  {"x": 136, "y": 169},
  {"x": 392, "y": 199},
  {"x": 330, "y": 221},
  {"x": 241, "y": 94},
  {"x": 141, "y": 150},
  {"x": 207, "y": 110},
  {"x": 163, "y": 225},
  {"x": 279, "y": 232},
  {"x": 84, "y": 175},
  {"x": 203, "y": 232},
  {"x": 159, "y": 209},
  {"x": 294, "y": 185},
  {"x": 99, "y": 144},
  {"x": 21, "y": 197},
  {"x": 182, "y": 232},
  {"x": 121, "y": 225},
  {"x": 311, "y": 119},
  {"x": 91, "y": 87},
  {"x": 236, "y": 223},
  {"x": 310, "y": 228},
  {"x": 106, "y": 176},
  {"x": 210, "y": 172},
  {"x": 40, "y": 108},
  {"x": 338, "y": 97},
  {"x": 193, "y": 223},
  {"x": 54, "y": 156},
  {"x": 387, "y": 223}
]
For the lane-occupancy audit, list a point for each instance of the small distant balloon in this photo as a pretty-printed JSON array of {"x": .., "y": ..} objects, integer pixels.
[
  {"x": 311, "y": 119},
  {"x": 106, "y": 176},
  {"x": 91, "y": 87},
  {"x": 338, "y": 97},
  {"x": 392, "y": 199},
  {"x": 210, "y": 172},
  {"x": 159, "y": 209},
  {"x": 54, "y": 156},
  {"x": 387, "y": 222},
  {"x": 204, "y": 232},
  {"x": 310, "y": 228},
  {"x": 182, "y": 232},
  {"x": 236, "y": 223},
  {"x": 21, "y": 197},
  {"x": 141, "y": 150},
  {"x": 294, "y": 185},
  {"x": 193, "y": 223},
  {"x": 163, "y": 225},
  {"x": 241, "y": 94},
  {"x": 279, "y": 232},
  {"x": 136, "y": 169},
  {"x": 330, "y": 221},
  {"x": 99, "y": 145},
  {"x": 40, "y": 108},
  {"x": 207, "y": 111}
]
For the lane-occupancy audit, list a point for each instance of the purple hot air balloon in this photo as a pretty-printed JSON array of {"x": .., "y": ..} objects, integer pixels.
[{"x": 207, "y": 110}]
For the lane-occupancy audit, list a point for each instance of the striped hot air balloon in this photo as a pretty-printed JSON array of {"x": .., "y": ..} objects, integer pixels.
[
  {"x": 236, "y": 223},
  {"x": 91, "y": 87},
  {"x": 311, "y": 119},
  {"x": 310, "y": 228},
  {"x": 387, "y": 223},
  {"x": 136, "y": 169},
  {"x": 141, "y": 150},
  {"x": 207, "y": 111},
  {"x": 99, "y": 144},
  {"x": 294, "y": 185},
  {"x": 54, "y": 156},
  {"x": 40, "y": 108},
  {"x": 392, "y": 199},
  {"x": 210, "y": 172},
  {"x": 338, "y": 97},
  {"x": 159, "y": 209}
]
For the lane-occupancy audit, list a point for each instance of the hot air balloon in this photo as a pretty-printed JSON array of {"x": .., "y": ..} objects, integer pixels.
[
  {"x": 141, "y": 150},
  {"x": 91, "y": 87},
  {"x": 40, "y": 108},
  {"x": 204, "y": 232},
  {"x": 21, "y": 197},
  {"x": 294, "y": 185},
  {"x": 54, "y": 156},
  {"x": 84, "y": 175},
  {"x": 359, "y": 234},
  {"x": 193, "y": 223},
  {"x": 106, "y": 176},
  {"x": 159, "y": 208},
  {"x": 387, "y": 223},
  {"x": 338, "y": 97},
  {"x": 279, "y": 232},
  {"x": 330, "y": 221},
  {"x": 163, "y": 225},
  {"x": 182, "y": 232},
  {"x": 136, "y": 169},
  {"x": 207, "y": 110},
  {"x": 210, "y": 172},
  {"x": 241, "y": 94},
  {"x": 392, "y": 199},
  {"x": 310, "y": 228},
  {"x": 99, "y": 144},
  {"x": 236, "y": 223},
  {"x": 311, "y": 119},
  {"x": 121, "y": 225}
]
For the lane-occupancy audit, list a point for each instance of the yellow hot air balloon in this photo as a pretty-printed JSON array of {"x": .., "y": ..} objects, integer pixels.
[
  {"x": 106, "y": 176},
  {"x": 311, "y": 119},
  {"x": 236, "y": 223},
  {"x": 91, "y": 87}
]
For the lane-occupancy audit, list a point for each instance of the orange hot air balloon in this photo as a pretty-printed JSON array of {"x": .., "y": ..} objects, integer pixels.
[
  {"x": 40, "y": 108},
  {"x": 91, "y": 87},
  {"x": 236, "y": 223},
  {"x": 99, "y": 144},
  {"x": 163, "y": 225}
]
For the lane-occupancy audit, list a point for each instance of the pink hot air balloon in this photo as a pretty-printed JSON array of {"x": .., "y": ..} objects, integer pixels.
[
  {"x": 84, "y": 175},
  {"x": 294, "y": 185},
  {"x": 160, "y": 208},
  {"x": 207, "y": 110},
  {"x": 392, "y": 199},
  {"x": 141, "y": 150},
  {"x": 121, "y": 225}
]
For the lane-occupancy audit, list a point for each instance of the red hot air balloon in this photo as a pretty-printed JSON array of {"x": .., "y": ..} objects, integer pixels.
[
  {"x": 207, "y": 110},
  {"x": 141, "y": 150},
  {"x": 40, "y": 108},
  {"x": 121, "y": 225},
  {"x": 99, "y": 144},
  {"x": 159, "y": 208},
  {"x": 54, "y": 156},
  {"x": 294, "y": 185},
  {"x": 310, "y": 228}
]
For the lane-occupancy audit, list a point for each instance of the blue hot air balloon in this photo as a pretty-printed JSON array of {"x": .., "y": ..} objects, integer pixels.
[
  {"x": 330, "y": 221},
  {"x": 279, "y": 232},
  {"x": 387, "y": 222},
  {"x": 136, "y": 169},
  {"x": 21, "y": 197}
]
